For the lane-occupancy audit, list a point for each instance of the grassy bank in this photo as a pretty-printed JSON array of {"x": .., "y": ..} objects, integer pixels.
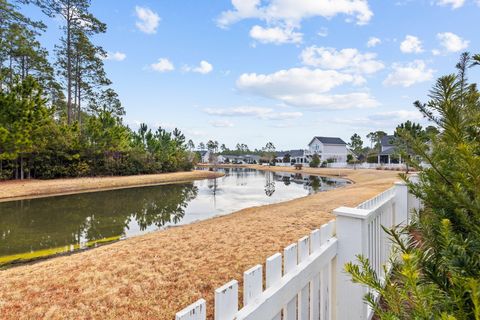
[{"x": 153, "y": 276}]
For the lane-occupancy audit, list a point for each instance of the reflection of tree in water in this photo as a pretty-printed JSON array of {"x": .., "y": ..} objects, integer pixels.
[
  {"x": 59, "y": 221},
  {"x": 269, "y": 184},
  {"x": 242, "y": 175},
  {"x": 286, "y": 180},
  {"x": 314, "y": 183},
  {"x": 166, "y": 207}
]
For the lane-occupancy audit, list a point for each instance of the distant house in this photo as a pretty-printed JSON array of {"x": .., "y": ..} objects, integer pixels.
[
  {"x": 329, "y": 148},
  {"x": 242, "y": 159},
  {"x": 296, "y": 156},
  {"x": 389, "y": 152},
  {"x": 204, "y": 156}
]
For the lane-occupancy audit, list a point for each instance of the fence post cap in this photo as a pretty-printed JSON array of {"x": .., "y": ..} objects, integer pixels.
[
  {"x": 351, "y": 212},
  {"x": 226, "y": 286}
]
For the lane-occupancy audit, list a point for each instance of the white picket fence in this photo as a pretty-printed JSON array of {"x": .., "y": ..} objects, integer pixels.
[{"x": 308, "y": 281}]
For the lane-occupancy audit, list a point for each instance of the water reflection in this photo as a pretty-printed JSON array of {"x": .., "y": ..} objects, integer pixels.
[
  {"x": 31, "y": 225},
  {"x": 70, "y": 222}
]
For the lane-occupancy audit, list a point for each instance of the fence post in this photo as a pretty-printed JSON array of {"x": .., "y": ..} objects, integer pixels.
[
  {"x": 413, "y": 202},
  {"x": 401, "y": 213},
  {"x": 352, "y": 240}
]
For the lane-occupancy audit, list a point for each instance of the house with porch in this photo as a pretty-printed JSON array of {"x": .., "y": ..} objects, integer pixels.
[
  {"x": 293, "y": 157},
  {"x": 389, "y": 152},
  {"x": 326, "y": 148}
]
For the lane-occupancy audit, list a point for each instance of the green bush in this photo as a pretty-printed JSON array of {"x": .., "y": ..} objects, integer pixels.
[
  {"x": 315, "y": 161},
  {"x": 438, "y": 275}
]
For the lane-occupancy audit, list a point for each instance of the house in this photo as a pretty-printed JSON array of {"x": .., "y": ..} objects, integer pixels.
[
  {"x": 296, "y": 156},
  {"x": 242, "y": 159},
  {"x": 388, "y": 153},
  {"x": 204, "y": 156},
  {"x": 329, "y": 148}
]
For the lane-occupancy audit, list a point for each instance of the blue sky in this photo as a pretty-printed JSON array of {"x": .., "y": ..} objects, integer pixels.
[{"x": 254, "y": 71}]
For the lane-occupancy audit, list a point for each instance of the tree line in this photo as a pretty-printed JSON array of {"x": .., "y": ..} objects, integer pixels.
[{"x": 59, "y": 115}]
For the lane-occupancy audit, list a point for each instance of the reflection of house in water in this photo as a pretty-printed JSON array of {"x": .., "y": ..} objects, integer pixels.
[
  {"x": 311, "y": 183},
  {"x": 242, "y": 176}
]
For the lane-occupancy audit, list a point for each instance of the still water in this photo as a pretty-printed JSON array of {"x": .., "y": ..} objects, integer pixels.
[{"x": 31, "y": 229}]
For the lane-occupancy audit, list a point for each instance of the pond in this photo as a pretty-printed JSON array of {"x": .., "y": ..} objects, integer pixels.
[{"x": 31, "y": 229}]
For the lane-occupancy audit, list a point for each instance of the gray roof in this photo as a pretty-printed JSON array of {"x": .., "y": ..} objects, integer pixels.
[
  {"x": 247, "y": 156},
  {"x": 329, "y": 140},
  {"x": 292, "y": 153},
  {"x": 389, "y": 151},
  {"x": 387, "y": 141},
  {"x": 202, "y": 152}
]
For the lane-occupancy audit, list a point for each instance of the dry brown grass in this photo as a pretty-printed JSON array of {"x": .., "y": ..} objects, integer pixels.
[{"x": 153, "y": 276}]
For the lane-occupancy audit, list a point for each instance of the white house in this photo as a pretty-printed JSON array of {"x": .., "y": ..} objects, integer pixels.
[
  {"x": 329, "y": 148},
  {"x": 204, "y": 156}
]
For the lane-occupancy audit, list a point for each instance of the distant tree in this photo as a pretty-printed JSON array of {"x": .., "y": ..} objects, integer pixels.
[
  {"x": 223, "y": 148},
  {"x": 356, "y": 144},
  {"x": 287, "y": 158},
  {"x": 315, "y": 163},
  {"x": 403, "y": 134},
  {"x": 190, "y": 145},
  {"x": 201, "y": 146},
  {"x": 269, "y": 151},
  {"x": 431, "y": 132},
  {"x": 77, "y": 20},
  {"x": 376, "y": 139}
]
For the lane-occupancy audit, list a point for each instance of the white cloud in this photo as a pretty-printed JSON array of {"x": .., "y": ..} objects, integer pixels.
[
  {"x": 455, "y": 4},
  {"x": 411, "y": 44},
  {"x": 384, "y": 120},
  {"x": 204, "y": 67},
  {"x": 452, "y": 42},
  {"x": 222, "y": 123},
  {"x": 163, "y": 65},
  {"x": 409, "y": 74},
  {"x": 275, "y": 35},
  {"x": 373, "y": 42},
  {"x": 349, "y": 60},
  {"x": 303, "y": 87},
  {"x": 358, "y": 100},
  {"x": 116, "y": 56},
  {"x": 256, "y": 112},
  {"x": 292, "y": 12},
  {"x": 148, "y": 20},
  {"x": 295, "y": 81}
]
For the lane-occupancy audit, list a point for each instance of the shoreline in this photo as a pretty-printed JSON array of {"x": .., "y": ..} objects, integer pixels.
[
  {"x": 158, "y": 274},
  {"x": 14, "y": 190}
]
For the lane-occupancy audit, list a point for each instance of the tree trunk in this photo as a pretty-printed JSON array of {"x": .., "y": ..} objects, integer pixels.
[
  {"x": 21, "y": 167},
  {"x": 69, "y": 62}
]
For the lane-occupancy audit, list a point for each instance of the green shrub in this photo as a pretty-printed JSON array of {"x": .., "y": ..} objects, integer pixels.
[{"x": 438, "y": 276}]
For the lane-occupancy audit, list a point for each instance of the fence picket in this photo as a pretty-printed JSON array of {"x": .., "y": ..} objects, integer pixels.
[
  {"x": 252, "y": 284},
  {"x": 315, "y": 284},
  {"x": 226, "y": 301},
  {"x": 304, "y": 296},
  {"x": 196, "y": 311},
  {"x": 325, "y": 234},
  {"x": 273, "y": 274},
  {"x": 290, "y": 262}
]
